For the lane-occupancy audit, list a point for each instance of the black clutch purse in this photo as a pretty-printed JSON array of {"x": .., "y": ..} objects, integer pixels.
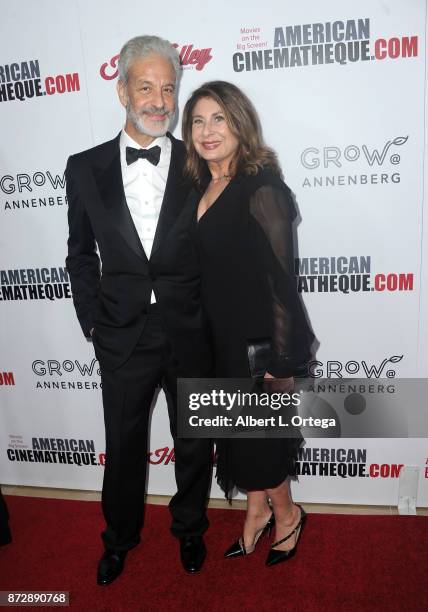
[{"x": 258, "y": 356}]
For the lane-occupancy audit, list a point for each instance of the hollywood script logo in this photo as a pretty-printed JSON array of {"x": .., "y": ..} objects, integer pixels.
[{"x": 189, "y": 56}]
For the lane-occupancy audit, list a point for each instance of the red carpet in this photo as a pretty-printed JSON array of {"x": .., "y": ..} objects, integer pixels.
[{"x": 352, "y": 563}]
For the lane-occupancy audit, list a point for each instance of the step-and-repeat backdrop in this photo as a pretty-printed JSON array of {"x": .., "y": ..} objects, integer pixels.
[{"x": 339, "y": 87}]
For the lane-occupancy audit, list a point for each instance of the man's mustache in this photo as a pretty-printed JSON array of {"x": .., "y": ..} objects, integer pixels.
[{"x": 149, "y": 110}]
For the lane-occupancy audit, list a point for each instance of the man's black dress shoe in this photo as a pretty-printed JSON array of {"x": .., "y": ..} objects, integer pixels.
[
  {"x": 110, "y": 566},
  {"x": 192, "y": 553}
]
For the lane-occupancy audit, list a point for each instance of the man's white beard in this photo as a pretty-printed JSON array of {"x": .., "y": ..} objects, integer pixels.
[{"x": 138, "y": 121}]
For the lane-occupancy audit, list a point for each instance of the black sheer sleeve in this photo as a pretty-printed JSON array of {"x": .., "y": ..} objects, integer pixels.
[{"x": 272, "y": 208}]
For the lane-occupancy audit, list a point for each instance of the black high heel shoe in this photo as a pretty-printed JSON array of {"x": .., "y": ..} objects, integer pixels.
[
  {"x": 278, "y": 556},
  {"x": 238, "y": 548}
]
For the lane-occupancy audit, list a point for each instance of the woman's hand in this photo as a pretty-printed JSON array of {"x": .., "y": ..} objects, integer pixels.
[{"x": 283, "y": 385}]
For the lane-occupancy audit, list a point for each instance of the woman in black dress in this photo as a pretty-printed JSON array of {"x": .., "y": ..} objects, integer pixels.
[{"x": 243, "y": 233}]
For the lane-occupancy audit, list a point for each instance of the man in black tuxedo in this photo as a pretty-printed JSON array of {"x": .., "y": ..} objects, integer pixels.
[{"x": 142, "y": 308}]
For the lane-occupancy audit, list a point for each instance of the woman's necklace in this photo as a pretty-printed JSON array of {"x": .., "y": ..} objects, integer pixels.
[{"x": 221, "y": 178}]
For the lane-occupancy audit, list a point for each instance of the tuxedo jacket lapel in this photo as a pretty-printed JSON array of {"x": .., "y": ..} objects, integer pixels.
[
  {"x": 174, "y": 196},
  {"x": 110, "y": 185},
  {"x": 108, "y": 177}
]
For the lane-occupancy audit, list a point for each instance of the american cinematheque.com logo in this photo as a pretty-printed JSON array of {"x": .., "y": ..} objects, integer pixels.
[
  {"x": 21, "y": 80},
  {"x": 22, "y": 190},
  {"x": 347, "y": 275},
  {"x": 65, "y": 451},
  {"x": 314, "y": 44},
  {"x": 190, "y": 57},
  {"x": 343, "y": 463},
  {"x": 34, "y": 284},
  {"x": 70, "y": 451}
]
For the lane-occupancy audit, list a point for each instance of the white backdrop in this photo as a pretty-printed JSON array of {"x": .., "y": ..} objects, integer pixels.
[{"x": 350, "y": 136}]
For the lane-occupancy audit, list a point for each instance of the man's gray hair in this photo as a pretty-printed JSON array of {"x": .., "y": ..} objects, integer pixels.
[{"x": 142, "y": 46}]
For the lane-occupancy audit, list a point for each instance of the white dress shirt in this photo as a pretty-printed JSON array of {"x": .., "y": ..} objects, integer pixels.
[{"x": 144, "y": 186}]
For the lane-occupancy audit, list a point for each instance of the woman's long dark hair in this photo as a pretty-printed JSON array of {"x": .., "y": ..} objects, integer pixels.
[{"x": 241, "y": 116}]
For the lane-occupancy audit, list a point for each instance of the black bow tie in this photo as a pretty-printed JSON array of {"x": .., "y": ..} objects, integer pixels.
[{"x": 152, "y": 155}]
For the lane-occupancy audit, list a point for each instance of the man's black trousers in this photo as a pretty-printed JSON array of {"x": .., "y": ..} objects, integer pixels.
[{"x": 127, "y": 397}]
